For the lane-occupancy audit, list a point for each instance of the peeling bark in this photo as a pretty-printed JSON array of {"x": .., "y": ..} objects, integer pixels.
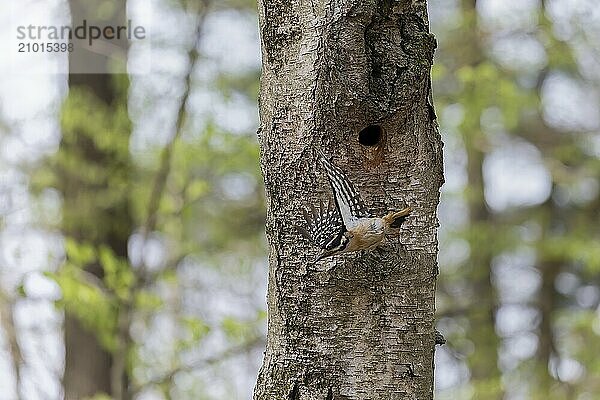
[{"x": 357, "y": 326}]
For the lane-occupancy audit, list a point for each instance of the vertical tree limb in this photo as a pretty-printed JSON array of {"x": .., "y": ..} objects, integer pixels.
[
  {"x": 7, "y": 321},
  {"x": 360, "y": 325}
]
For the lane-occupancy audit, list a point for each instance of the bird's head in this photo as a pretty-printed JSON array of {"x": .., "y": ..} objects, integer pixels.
[{"x": 337, "y": 245}]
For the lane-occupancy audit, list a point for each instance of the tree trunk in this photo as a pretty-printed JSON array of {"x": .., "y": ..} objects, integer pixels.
[
  {"x": 552, "y": 218},
  {"x": 355, "y": 326},
  {"x": 483, "y": 362},
  {"x": 87, "y": 363},
  {"x": 481, "y": 313}
]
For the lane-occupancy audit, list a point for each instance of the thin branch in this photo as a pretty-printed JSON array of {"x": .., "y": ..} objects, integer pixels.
[
  {"x": 7, "y": 320},
  {"x": 119, "y": 374},
  {"x": 245, "y": 347},
  {"x": 160, "y": 179}
]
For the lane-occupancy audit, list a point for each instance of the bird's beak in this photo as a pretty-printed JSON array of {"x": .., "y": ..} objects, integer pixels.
[
  {"x": 395, "y": 219},
  {"x": 404, "y": 212}
]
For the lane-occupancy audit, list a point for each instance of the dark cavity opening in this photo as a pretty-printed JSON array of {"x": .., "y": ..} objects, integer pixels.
[{"x": 370, "y": 136}]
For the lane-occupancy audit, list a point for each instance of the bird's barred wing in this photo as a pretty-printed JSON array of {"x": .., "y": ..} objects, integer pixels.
[
  {"x": 324, "y": 226},
  {"x": 347, "y": 199}
]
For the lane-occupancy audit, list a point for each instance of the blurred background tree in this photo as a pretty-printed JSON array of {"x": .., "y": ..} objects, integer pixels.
[
  {"x": 160, "y": 256},
  {"x": 517, "y": 88},
  {"x": 177, "y": 185}
]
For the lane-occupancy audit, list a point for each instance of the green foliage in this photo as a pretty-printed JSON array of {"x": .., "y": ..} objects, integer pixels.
[
  {"x": 99, "y": 396},
  {"x": 245, "y": 83},
  {"x": 198, "y": 189},
  {"x": 195, "y": 330},
  {"x": 79, "y": 254},
  {"x": 210, "y": 215},
  {"x": 494, "y": 97},
  {"x": 243, "y": 331},
  {"x": 84, "y": 298},
  {"x": 147, "y": 301},
  {"x": 236, "y": 330},
  {"x": 95, "y": 302},
  {"x": 92, "y": 167},
  {"x": 576, "y": 250},
  {"x": 484, "y": 86},
  {"x": 118, "y": 275}
]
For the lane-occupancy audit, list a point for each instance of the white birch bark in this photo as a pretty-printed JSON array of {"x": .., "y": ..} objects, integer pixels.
[{"x": 356, "y": 326}]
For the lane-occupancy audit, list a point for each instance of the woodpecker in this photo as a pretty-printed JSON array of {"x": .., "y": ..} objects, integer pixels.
[{"x": 349, "y": 226}]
